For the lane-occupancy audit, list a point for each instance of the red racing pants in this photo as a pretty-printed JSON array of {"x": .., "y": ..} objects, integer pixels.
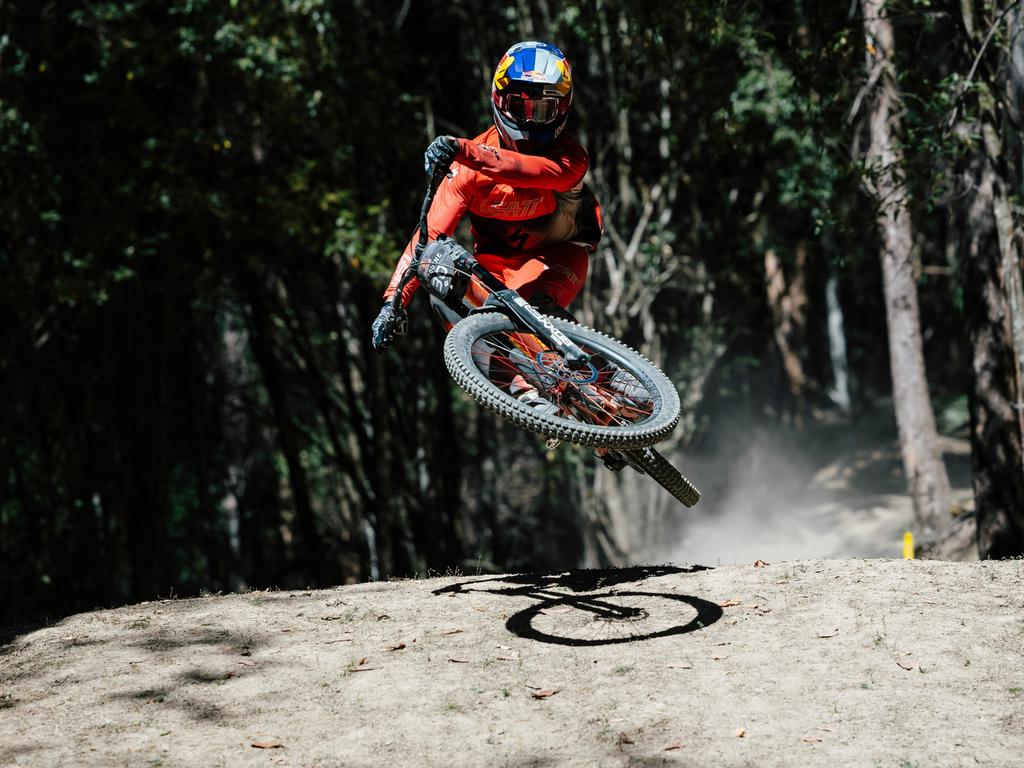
[{"x": 558, "y": 271}]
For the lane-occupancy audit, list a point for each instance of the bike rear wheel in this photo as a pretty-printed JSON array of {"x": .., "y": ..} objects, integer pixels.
[
  {"x": 620, "y": 399},
  {"x": 650, "y": 462}
]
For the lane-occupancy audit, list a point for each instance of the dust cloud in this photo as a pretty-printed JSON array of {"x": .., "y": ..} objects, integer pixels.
[{"x": 831, "y": 489}]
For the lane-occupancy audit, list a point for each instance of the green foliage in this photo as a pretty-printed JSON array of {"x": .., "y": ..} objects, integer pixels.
[{"x": 203, "y": 200}]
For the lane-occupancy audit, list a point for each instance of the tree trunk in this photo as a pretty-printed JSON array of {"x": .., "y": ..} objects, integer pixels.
[
  {"x": 788, "y": 303},
  {"x": 995, "y": 437},
  {"x": 836, "y": 324},
  {"x": 277, "y": 390},
  {"x": 922, "y": 463},
  {"x": 840, "y": 393},
  {"x": 994, "y": 303}
]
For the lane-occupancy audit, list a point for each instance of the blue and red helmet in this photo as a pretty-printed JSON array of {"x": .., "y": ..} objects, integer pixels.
[{"x": 531, "y": 95}]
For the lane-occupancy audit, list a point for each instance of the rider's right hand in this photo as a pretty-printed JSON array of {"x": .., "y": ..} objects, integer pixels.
[
  {"x": 387, "y": 326},
  {"x": 441, "y": 153}
]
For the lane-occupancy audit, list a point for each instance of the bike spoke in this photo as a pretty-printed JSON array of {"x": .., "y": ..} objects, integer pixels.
[
  {"x": 621, "y": 421},
  {"x": 506, "y": 355}
]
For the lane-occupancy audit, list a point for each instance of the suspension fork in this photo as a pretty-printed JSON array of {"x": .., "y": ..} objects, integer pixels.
[{"x": 527, "y": 314}]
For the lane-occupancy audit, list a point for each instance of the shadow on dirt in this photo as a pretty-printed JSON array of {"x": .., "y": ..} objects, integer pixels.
[
  {"x": 171, "y": 639},
  {"x": 570, "y": 610},
  {"x": 198, "y": 709}
]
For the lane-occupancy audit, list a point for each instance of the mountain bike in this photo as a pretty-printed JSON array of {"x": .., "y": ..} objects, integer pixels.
[{"x": 547, "y": 374}]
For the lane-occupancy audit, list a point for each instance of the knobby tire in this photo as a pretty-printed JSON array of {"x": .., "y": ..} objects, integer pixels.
[
  {"x": 661, "y": 471},
  {"x": 458, "y": 356}
]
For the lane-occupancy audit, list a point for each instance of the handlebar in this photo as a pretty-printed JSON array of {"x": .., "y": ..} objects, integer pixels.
[{"x": 435, "y": 181}]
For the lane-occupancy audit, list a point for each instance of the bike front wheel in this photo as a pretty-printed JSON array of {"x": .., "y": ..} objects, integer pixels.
[{"x": 619, "y": 399}]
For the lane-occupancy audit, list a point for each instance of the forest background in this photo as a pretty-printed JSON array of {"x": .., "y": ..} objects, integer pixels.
[{"x": 201, "y": 202}]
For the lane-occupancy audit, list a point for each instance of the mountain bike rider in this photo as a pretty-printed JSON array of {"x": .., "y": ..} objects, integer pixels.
[{"x": 534, "y": 222}]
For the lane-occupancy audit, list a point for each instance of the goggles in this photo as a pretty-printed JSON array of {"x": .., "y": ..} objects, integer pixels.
[{"x": 526, "y": 108}]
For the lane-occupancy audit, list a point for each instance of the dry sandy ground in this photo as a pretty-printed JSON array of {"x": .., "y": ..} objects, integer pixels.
[{"x": 858, "y": 662}]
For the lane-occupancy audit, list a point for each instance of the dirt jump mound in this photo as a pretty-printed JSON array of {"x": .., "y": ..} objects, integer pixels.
[{"x": 867, "y": 662}]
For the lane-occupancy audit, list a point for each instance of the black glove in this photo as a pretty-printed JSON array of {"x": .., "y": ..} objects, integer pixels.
[
  {"x": 442, "y": 152},
  {"x": 387, "y": 326}
]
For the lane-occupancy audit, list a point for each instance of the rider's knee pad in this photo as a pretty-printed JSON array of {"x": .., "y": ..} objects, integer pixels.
[{"x": 439, "y": 268}]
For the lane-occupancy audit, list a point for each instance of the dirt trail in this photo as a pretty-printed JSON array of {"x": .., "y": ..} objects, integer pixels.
[{"x": 862, "y": 662}]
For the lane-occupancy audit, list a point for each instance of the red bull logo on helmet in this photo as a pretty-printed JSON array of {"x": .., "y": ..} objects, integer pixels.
[{"x": 534, "y": 62}]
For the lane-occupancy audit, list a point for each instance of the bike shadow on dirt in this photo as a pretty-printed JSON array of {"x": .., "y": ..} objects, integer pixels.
[{"x": 608, "y": 617}]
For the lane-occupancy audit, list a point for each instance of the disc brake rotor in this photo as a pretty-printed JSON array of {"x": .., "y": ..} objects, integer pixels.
[{"x": 553, "y": 364}]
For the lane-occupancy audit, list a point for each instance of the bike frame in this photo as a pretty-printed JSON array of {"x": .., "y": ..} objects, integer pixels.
[{"x": 502, "y": 298}]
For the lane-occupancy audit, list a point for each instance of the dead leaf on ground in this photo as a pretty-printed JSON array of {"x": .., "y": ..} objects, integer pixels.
[
  {"x": 623, "y": 738},
  {"x": 829, "y": 633},
  {"x": 680, "y": 666},
  {"x": 729, "y": 604},
  {"x": 741, "y": 732},
  {"x": 382, "y": 617},
  {"x": 670, "y": 747},
  {"x": 810, "y": 740},
  {"x": 507, "y": 658},
  {"x": 398, "y": 647},
  {"x": 480, "y": 608},
  {"x": 363, "y": 660},
  {"x": 904, "y": 664},
  {"x": 267, "y": 744},
  {"x": 459, "y": 661},
  {"x": 760, "y": 564},
  {"x": 546, "y": 694},
  {"x": 451, "y": 631}
]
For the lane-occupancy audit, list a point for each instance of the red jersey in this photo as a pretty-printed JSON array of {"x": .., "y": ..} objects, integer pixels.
[{"x": 517, "y": 204}]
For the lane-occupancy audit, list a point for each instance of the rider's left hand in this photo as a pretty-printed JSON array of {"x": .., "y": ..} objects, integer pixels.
[
  {"x": 442, "y": 152},
  {"x": 388, "y": 325}
]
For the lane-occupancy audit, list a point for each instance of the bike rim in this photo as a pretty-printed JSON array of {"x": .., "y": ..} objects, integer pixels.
[{"x": 604, "y": 392}]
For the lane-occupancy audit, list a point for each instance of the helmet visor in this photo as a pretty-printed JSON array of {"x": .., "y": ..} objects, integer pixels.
[{"x": 526, "y": 108}]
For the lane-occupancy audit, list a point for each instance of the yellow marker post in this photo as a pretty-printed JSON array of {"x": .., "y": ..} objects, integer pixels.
[{"x": 908, "y": 546}]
